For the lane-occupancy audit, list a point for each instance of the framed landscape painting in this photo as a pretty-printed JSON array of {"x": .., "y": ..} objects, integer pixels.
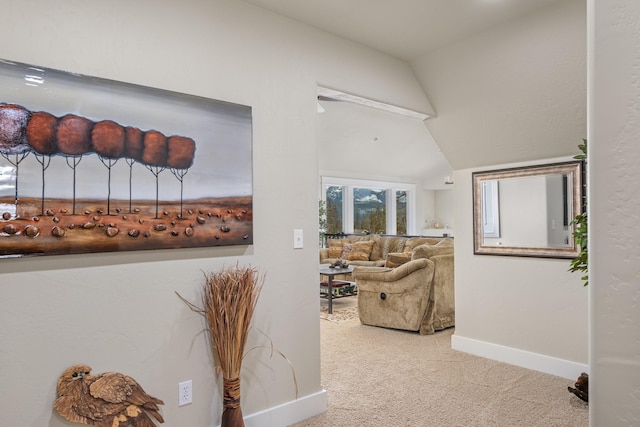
[{"x": 93, "y": 165}]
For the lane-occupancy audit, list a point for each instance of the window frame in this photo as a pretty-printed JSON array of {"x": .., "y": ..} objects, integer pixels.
[{"x": 390, "y": 188}]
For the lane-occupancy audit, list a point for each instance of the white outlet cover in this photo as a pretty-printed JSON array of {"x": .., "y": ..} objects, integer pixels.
[{"x": 185, "y": 393}]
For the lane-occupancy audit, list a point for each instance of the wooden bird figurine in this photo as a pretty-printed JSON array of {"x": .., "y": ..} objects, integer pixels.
[
  {"x": 581, "y": 387},
  {"x": 106, "y": 400}
]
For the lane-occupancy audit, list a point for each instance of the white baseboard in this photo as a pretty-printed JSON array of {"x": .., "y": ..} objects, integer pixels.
[
  {"x": 290, "y": 412},
  {"x": 525, "y": 359}
]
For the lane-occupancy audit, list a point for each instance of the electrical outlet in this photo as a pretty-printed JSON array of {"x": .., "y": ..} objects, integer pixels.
[{"x": 185, "y": 393}]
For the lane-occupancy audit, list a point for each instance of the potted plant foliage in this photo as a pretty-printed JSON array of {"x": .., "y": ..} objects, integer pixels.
[{"x": 580, "y": 234}]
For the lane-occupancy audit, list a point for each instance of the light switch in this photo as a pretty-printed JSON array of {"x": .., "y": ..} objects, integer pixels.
[{"x": 297, "y": 239}]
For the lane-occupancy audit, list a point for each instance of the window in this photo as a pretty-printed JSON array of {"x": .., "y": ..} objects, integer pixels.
[
  {"x": 333, "y": 198},
  {"x": 360, "y": 206},
  {"x": 401, "y": 212},
  {"x": 369, "y": 211},
  {"x": 490, "y": 209}
]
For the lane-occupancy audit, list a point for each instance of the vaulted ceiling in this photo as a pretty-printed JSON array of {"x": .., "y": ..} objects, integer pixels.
[
  {"x": 507, "y": 78},
  {"x": 406, "y": 29}
]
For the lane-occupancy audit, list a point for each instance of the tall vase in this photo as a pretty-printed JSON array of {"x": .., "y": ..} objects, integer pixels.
[{"x": 232, "y": 413}]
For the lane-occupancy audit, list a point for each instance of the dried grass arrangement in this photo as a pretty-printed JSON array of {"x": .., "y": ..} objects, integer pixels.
[{"x": 229, "y": 299}]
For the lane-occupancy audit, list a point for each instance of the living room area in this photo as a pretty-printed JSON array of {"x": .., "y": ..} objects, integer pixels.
[
  {"x": 432, "y": 159},
  {"x": 371, "y": 155},
  {"x": 497, "y": 299}
]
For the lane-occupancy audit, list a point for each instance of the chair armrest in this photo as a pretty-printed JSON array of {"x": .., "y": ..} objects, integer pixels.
[
  {"x": 371, "y": 269},
  {"x": 390, "y": 275}
]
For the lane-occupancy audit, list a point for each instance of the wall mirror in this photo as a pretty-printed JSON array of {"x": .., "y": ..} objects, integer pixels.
[{"x": 527, "y": 211}]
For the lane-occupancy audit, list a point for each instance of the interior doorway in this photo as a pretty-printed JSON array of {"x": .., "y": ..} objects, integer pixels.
[{"x": 363, "y": 139}]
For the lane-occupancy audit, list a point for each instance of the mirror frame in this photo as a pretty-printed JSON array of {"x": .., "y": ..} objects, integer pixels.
[{"x": 574, "y": 169}]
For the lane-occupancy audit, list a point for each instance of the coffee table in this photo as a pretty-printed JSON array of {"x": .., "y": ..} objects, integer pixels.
[{"x": 325, "y": 270}]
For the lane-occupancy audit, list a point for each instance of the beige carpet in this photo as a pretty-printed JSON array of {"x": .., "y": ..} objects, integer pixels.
[
  {"x": 381, "y": 377},
  {"x": 343, "y": 310}
]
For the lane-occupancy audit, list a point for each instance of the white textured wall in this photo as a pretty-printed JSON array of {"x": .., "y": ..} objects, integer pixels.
[
  {"x": 118, "y": 311},
  {"x": 513, "y": 93},
  {"x": 445, "y": 208},
  {"x": 526, "y": 311},
  {"x": 614, "y": 153}
]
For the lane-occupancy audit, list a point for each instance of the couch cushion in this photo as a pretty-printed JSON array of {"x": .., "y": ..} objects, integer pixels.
[
  {"x": 396, "y": 259},
  {"x": 446, "y": 242},
  {"x": 360, "y": 251},
  {"x": 413, "y": 242},
  {"x": 427, "y": 251}
]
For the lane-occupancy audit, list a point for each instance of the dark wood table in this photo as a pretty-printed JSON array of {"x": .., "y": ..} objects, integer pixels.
[{"x": 325, "y": 270}]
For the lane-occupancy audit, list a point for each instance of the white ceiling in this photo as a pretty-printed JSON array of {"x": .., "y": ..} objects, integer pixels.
[
  {"x": 396, "y": 147},
  {"x": 405, "y": 29}
]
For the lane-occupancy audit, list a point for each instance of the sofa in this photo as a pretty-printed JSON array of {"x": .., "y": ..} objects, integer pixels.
[{"x": 403, "y": 282}]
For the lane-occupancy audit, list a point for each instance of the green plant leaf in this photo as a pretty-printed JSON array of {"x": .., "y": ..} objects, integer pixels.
[{"x": 581, "y": 233}]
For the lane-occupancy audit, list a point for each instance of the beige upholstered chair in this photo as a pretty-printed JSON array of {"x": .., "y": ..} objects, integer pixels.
[{"x": 415, "y": 296}]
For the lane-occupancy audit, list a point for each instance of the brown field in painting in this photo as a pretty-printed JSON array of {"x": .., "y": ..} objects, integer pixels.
[{"x": 96, "y": 227}]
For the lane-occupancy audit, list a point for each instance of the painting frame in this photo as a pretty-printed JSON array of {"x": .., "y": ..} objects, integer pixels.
[{"x": 92, "y": 165}]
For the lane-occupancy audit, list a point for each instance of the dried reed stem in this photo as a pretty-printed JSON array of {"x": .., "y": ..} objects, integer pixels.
[{"x": 230, "y": 297}]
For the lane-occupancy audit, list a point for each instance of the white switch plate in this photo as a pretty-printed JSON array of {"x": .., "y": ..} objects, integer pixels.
[{"x": 297, "y": 239}]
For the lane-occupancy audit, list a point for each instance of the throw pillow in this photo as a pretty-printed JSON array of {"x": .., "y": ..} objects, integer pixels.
[
  {"x": 396, "y": 259},
  {"x": 360, "y": 251},
  {"x": 334, "y": 248},
  {"x": 346, "y": 250}
]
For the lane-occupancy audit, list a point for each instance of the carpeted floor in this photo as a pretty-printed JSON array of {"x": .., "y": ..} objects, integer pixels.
[
  {"x": 340, "y": 314},
  {"x": 381, "y": 377}
]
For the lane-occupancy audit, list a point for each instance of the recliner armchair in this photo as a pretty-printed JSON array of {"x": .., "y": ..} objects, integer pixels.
[{"x": 415, "y": 296}]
